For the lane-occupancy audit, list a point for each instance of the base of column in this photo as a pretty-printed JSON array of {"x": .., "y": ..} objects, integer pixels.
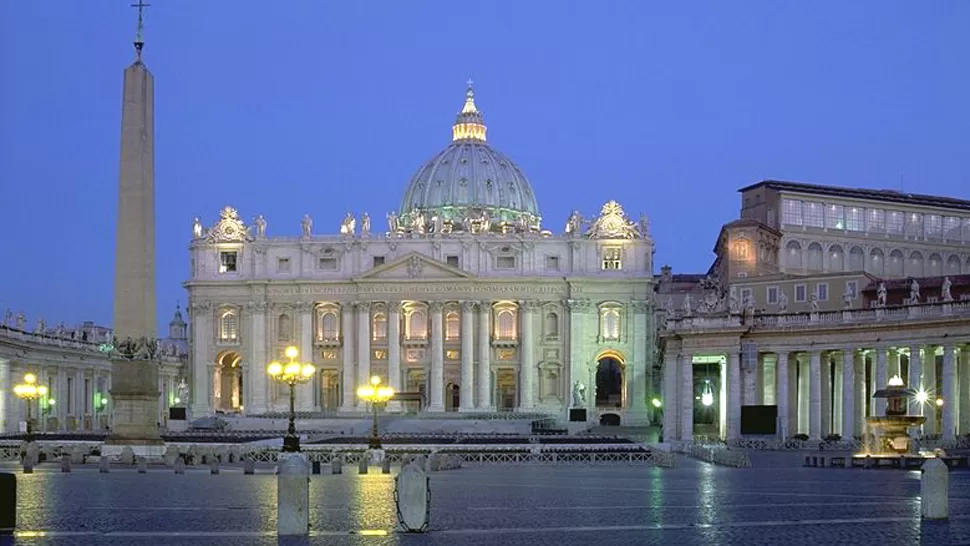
[
  {"x": 468, "y": 409},
  {"x": 435, "y": 408},
  {"x": 635, "y": 419},
  {"x": 485, "y": 408}
]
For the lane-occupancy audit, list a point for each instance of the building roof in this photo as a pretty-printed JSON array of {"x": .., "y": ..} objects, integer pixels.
[{"x": 891, "y": 196}]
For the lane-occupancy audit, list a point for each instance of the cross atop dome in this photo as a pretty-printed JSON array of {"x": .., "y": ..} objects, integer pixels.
[{"x": 470, "y": 124}]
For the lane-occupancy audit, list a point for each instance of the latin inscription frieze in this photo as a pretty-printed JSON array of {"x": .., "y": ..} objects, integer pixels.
[{"x": 437, "y": 288}]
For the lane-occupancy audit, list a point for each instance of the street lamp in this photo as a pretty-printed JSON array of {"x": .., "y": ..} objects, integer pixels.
[
  {"x": 292, "y": 373},
  {"x": 939, "y": 415},
  {"x": 29, "y": 390},
  {"x": 376, "y": 395}
]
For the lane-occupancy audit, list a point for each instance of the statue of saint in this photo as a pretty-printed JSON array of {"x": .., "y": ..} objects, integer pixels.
[
  {"x": 782, "y": 301},
  {"x": 881, "y": 295},
  {"x": 41, "y": 326},
  {"x": 813, "y": 299},
  {"x": 418, "y": 222},
  {"x": 197, "y": 228},
  {"x": 846, "y": 300},
  {"x": 392, "y": 223},
  {"x": 22, "y": 321},
  {"x": 260, "y": 227},
  {"x": 307, "y": 225},
  {"x": 914, "y": 292},
  {"x": 687, "y": 306},
  {"x": 579, "y": 394},
  {"x": 365, "y": 225},
  {"x": 574, "y": 224},
  {"x": 644, "y": 225},
  {"x": 945, "y": 292},
  {"x": 349, "y": 224},
  {"x": 8, "y": 318}
]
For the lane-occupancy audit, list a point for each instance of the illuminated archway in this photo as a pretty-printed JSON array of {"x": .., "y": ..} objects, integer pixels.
[
  {"x": 227, "y": 383},
  {"x": 610, "y": 380}
]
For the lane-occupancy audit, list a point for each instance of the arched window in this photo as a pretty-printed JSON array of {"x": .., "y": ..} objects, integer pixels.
[
  {"x": 610, "y": 322},
  {"x": 452, "y": 322},
  {"x": 327, "y": 326},
  {"x": 857, "y": 259},
  {"x": 877, "y": 262},
  {"x": 953, "y": 265},
  {"x": 417, "y": 324},
  {"x": 379, "y": 327},
  {"x": 551, "y": 325},
  {"x": 836, "y": 258},
  {"x": 284, "y": 328},
  {"x": 934, "y": 267},
  {"x": 915, "y": 266},
  {"x": 895, "y": 265},
  {"x": 229, "y": 326},
  {"x": 505, "y": 324},
  {"x": 793, "y": 255},
  {"x": 815, "y": 257}
]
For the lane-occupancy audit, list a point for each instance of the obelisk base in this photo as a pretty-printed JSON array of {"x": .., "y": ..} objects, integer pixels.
[{"x": 134, "y": 403}]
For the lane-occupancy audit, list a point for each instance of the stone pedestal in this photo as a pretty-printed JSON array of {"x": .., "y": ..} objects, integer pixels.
[
  {"x": 134, "y": 403},
  {"x": 293, "y": 495},
  {"x": 935, "y": 490}
]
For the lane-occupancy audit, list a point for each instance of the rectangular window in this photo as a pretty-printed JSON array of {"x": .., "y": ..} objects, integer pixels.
[
  {"x": 505, "y": 262},
  {"x": 745, "y": 295},
  {"x": 852, "y": 289},
  {"x": 855, "y": 219},
  {"x": 378, "y": 261},
  {"x": 791, "y": 212},
  {"x": 552, "y": 263},
  {"x": 772, "y": 294},
  {"x": 87, "y": 396},
  {"x": 327, "y": 264},
  {"x": 951, "y": 228},
  {"x": 813, "y": 214},
  {"x": 822, "y": 291},
  {"x": 800, "y": 292},
  {"x": 835, "y": 217},
  {"x": 612, "y": 258},
  {"x": 894, "y": 222},
  {"x": 933, "y": 228},
  {"x": 876, "y": 221},
  {"x": 914, "y": 225},
  {"x": 70, "y": 392},
  {"x": 227, "y": 262},
  {"x": 452, "y": 261},
  {"x": 966, "y": 230},
  {"x": 283, "y": 265}
]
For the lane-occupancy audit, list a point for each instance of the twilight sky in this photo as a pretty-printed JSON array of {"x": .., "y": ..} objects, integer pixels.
[{"x": 323, "y": 107}]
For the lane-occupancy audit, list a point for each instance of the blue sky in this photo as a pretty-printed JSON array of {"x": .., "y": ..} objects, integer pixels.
[{"x": 320, "y": 107}]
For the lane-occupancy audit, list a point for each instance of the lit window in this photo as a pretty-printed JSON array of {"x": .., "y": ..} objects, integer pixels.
[
  {"x": 379, "y": 327},
  {"x": 610, "y": 323},
  {"x": 451, "y": 326},
  {"x": 505, "y": 325},
  {"x": 417, "y": 325},
  {"x": 914, "y": 225},
  {"x": 813, "y": 214},
  {"x": 227, "y": 262},
  {"x": 933, "y": 227},
  {"x": 835, "y": 217},
  {"x": 894, "y": 222},
  {"x": 327, "y": 326},
  {"x": 228, "y": 326},
  {"x": 876, "y": 220},
  {"x": 855, "y": 219},
  {"x": 741, "y": 250},
  {"x": 791, "y": 212},
  {"x": 612, "y": 258}
]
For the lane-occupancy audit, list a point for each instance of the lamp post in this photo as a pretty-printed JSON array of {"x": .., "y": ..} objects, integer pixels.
[
  {"x": 29, "y": 391},
  {"x": 939, "y": 416},
  {"x": 376, "y": 395},
  {"x": 292, "y": 373}
]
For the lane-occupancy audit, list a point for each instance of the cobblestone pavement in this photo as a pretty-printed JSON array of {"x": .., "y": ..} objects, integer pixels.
[{"x": 693, "y": 504}]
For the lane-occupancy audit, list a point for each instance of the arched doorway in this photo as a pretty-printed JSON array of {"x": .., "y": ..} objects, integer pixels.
[
  {"x": 452, "y": 397},
  {"x": 227, "y": 385},
  {"x": 610, "y": 380}
]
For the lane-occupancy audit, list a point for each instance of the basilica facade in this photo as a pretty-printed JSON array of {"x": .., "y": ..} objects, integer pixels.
[{"x": 464, "y": 302}]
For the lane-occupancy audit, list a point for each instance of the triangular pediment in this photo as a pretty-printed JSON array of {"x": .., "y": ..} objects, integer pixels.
[{"x": 415, "y": 266}]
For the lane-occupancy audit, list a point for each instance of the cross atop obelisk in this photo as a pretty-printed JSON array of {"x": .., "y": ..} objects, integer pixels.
[{"x": 139, "y": 35}]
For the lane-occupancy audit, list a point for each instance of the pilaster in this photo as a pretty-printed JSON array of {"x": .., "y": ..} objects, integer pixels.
[
  {"x": 963, "y": 392},
  {"x": 848, "y": 395},
  {"x": 436, "y": 385},
  {"x": 363, "y": 343},
  {"x": 815, "y": 396},
  {"x": 484, "y": 356},
  {"x": 527, "y": 364},
  {"x": 7, "y": 423},
  {"x": 258, "y": 381},
  {"x": 782, "y": 396},
  {"x": 348, "y": 381},
  {"x": 686, "y": 397},
  {"x": 467, "y": 397},
  {"x": 950, "y": 402},
  {"x": 638, "y": 369},
  {"x": 202, "y": 335},
  {"x": 304, "y": 392},
  {"x": 915, "y": 379},
  {"x": 734, "y": 396},
  {"x": 394, "y": 351},
  {"x": 670, "y": 403},
  {"x": 882, "y": 378}
]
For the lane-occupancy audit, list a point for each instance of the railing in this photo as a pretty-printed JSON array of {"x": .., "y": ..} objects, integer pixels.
[
  {"x": 718, "y": 454},
  {"x": 49, "y": 339}
]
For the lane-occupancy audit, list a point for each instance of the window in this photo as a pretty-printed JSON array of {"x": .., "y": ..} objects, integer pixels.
[
  {"x": 505, "y": 324},
  {"x": 228, "y": 326},
  {"x": 876, "y": 221},
  {"x": 800, "y": 292},
  {"x": 742, "y": 274},
  {"x": 951, "y": 228},
  {"x": 552, "y": 263},
  {"x": 933, "y": 228},
  {"x": 379, "y": 327},
  {"x": 283, "y": 265},
  {"x": 746, "y": 295},
  {"x": 452, "y": 322},
  {"x": 822, "y": 291},
  {"x": 327, "y": 326},
  {"x": 417, "y": 325},
  {"x": 772, "y": 294},
  {"x": 452, "y": 261},
  {"x": 612, "y": 258},
  {"x": 894, "y": 222},
  {"x": 813, "y": 214},
  {"x": 855, "y": 219},
  {"x": 966, "y": 230},
  {"x": 284, "y": 328},
  {"x": 327, "y": 264},
  {"x": 505, "y": 262},
  {"x": 835, "y": 217},
  {"x": 852, "y": 289},
  {"x": 914, "y": 225},
  {"x": 227, "y": 262},
  {"x": 87, "y": 396},
  {"x": 791, "y": 212},
  {"x": 740, "y": 250},
  {"x": 378, "y": 261},
  {"x": 551, "y": 325},
  {"x": 610, "y": 323},
  {"x": 70, "y": 392}
]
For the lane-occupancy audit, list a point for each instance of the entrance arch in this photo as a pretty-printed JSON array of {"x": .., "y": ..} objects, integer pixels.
[
  {"x": 227, "y": 385},
  {"x": 610, "y": 380}
]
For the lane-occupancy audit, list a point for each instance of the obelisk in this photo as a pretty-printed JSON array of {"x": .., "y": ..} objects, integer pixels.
[{"x": 135, "y": 360}]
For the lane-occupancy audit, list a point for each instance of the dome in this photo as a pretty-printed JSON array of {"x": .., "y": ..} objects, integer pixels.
[{"x": 469, "y": 186}]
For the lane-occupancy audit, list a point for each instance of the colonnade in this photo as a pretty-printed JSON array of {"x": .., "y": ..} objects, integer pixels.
[{"x": 821, "y": 392}]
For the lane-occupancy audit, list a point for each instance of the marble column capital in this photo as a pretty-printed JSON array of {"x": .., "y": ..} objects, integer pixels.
[
  {"x": 436, "y": 306},
  {"x": 257, "y": 306},
  {"x": 304, "y": 306},
  {"x": 529, "y": 305},
  {"x": 363, "y": 305},
  {"x": 469, "y": 306}
]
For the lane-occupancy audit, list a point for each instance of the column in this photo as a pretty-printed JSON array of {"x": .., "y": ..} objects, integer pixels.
[
  {"x": 929, "y": 385},
  {"x": 803, "y": 393},
  {"x": 836, "y": 394},
  {"x": 7, "y": 422},
  {"x": 950, "y": 402},
  {"x": 304, "y": 393},
  {"x": 527, "y": 364},
  {"x": 670, "y": 404},
  {"x": 826, "y": 377},
  {"x": 749, "y": 383},
  {"x": 759, "y": 380},
  {"x": 257, "y": 379},
  {"x": 781, "y": 393},
  {"x": 578, "y": 340},
  {"x": 848, "y": 394},
  {"x": 686, "y": 396},
  {"x": 363, "y": 344},
  {"x": 734, "y": 396},
  {"x": 769, "y": 393},
  {"x": 815, "y": 396},
  {"x": 436, "y": 385},
  {"x": 394, "y": 351},
  {"x": 882, "y": 378},
  {"x": 202, "y": 334},
  {"x": 963, "y": 392},
  {"x": 348, "y": 382},
  {"x": 914, "y": 380},
  {"x": 484, "y": 356},
  {"x": 638, "y": 367},
  {"x": 859, "y": 367},
  {"x": 467, "y": 397}
]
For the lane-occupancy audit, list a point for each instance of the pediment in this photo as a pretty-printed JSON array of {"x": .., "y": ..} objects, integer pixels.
[{"x": 415, "y": 266}]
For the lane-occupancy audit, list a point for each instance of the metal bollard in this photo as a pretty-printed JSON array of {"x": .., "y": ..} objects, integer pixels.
[
  {"x": 249, "y": 467},
  {"x": 934, "y": 490},
  {"x": 142, "y": 465},
  {"x": 104, "y": 465},
  {"x": 8, "y": 503},
  {"x": 386, "y": 465},
  {"x": 362, "y": 467},
  {"x": 214, "y": 466},
  {"x": 316, "y": 467},
  {"x": 65, "y": 463},
  {"x": 180, "y": 466}
]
